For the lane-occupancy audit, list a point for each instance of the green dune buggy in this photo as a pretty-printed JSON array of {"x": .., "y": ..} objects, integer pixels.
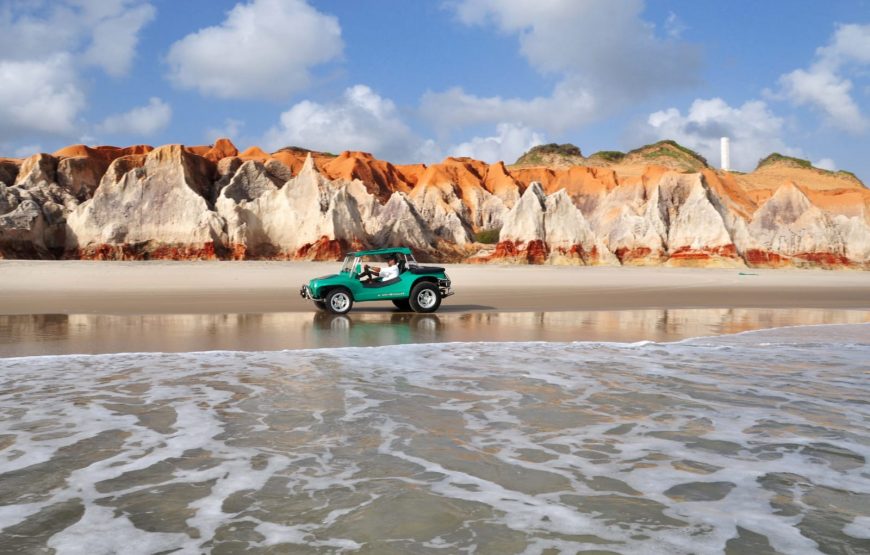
[{"x": 417, "y": 288}]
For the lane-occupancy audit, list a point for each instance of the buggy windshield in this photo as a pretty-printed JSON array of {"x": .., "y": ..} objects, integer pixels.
[{"x": 347, "y": 265}]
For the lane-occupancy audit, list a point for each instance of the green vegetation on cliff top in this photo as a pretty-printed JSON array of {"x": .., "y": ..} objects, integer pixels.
[
  {"x": 777, "y": 158},
  {"x": 609, "y": 155},
  {"x": 669, "y": 149},
  {"x": 660, "y": 151},
  {"x": 791, "y": 161},
  {"x": 537, "y": 154},
  {"x": 301, "y": 150},
  {"x": 656, "y": 151}
]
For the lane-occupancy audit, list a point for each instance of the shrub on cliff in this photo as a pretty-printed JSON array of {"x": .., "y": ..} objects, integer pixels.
[
  {"x": 781, "y": 159},
  {"x": 672, "y": 150},
  {"x": 609, "y": 155},
  {"x": 777, "y": 159},
  {"x": 542, "y": 154},
  {"x": 487, "y": 236}
]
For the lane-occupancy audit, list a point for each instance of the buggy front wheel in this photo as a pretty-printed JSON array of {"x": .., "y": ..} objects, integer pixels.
[
  {"x": 339, "y": 301},
  {"x": 425, "y": 297}
]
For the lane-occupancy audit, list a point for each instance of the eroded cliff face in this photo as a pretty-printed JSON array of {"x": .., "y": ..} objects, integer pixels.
[
  {"x": 213, "y": 201},
  {"x": 313, "y": 217},
  {"x": 549, "y": 229},
  {"x": 154, "y": 210}
]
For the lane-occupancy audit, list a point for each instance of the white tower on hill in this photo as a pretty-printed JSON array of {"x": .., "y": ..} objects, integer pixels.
[{"x": 725, "y": 153}]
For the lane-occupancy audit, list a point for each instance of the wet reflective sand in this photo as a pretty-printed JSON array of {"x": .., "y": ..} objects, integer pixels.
[
  {"x": 744, "y": 444},
  {"x": 28, "y": 335}
]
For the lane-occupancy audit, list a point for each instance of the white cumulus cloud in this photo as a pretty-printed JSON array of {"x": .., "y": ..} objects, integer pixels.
[
  {"x": 263, "y": 49},
  {"x": 142, "y": 120},
  {"x": 569, "y": 106},
  {"x": 850, "y": 43},
  {"x": 615, "y": 48},
  {"x": 39, "y": 97},
  {"x": 824, "y": 84},
  {"x": 508, "y": 144},
  {"x": 604, "y": 57},
  {"x": 754, "y": 130},
  {"x": 115, "y": 35},
  {"x": 103, "y": 33},
  {"x": 45, "y": 47},
  {"x": 827, "y": 91},
  {"x": 360, "y": 120},
  {"x": 363, "y": 120}
]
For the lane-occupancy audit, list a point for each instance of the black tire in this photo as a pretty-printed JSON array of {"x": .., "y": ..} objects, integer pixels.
[
  {"x": 402, "y": 304},
  {"x": 425, "y": 297},
  {"x": 339, "y": 301},
  {"x": 321, "y": 305}
]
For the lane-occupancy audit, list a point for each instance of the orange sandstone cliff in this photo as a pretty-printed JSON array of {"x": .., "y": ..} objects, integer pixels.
[{"x": 659, "y": 204}]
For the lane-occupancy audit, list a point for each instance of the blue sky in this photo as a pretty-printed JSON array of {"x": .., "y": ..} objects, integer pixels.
[{"x": 417, "y": 81}]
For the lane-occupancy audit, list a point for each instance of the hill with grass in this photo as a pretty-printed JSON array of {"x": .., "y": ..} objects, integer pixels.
[{"x": 551, "y": 155}]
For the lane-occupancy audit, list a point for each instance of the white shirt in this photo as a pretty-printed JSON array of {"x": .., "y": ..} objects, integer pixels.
[{"x": 389, "y": 272}]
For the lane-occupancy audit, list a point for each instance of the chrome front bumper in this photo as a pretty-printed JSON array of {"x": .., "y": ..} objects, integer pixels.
[
  {"x": 444, "y": 288},
  {"x": 305, "y": 293}
]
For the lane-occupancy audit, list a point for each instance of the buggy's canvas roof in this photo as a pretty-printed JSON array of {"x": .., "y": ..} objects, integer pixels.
[{"x": 376, "y": 252}]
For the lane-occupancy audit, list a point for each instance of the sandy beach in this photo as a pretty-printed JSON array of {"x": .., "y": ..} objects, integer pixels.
[
  {"x": 85, "y": 287},
  {"x": 105, "y": 307}
]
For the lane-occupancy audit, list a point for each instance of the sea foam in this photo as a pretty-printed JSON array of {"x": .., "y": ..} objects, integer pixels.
[{"x": 746, "y": 442}]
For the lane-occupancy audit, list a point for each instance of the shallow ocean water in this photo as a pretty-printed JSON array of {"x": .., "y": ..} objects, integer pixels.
[
  {"x": 749, "y": 443},
  {"x": 62, "y": 334}
]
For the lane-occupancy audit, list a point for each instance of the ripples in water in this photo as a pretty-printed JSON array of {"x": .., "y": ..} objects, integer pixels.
[{"x": 754, "y": 443}]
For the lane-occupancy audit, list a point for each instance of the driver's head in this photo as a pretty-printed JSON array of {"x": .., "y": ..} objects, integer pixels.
[{"x": 391, "y": 260}]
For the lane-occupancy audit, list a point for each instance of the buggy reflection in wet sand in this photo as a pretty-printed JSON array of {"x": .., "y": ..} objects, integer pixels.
[
  {"x": 376, "y": 328},
  {"x": 390, "y": 274}
]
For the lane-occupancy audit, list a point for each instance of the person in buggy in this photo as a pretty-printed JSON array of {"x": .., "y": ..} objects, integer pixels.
[{"x": 373, "y": 273}]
